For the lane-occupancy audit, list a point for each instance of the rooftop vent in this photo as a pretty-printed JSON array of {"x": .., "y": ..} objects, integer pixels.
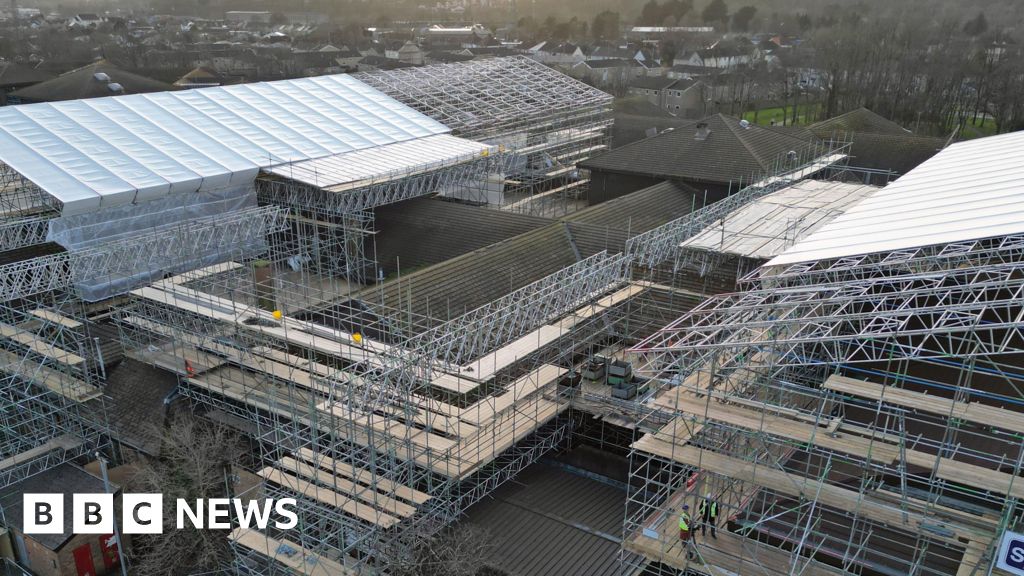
[
  {"x": 115, "y": 88},
  {"x": 745, "y": 124},
  {"x": 101, "y": 77},
  {"x": 703, "y": 131}
]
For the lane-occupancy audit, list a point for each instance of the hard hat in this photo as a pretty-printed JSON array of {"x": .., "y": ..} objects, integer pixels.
[
  {"x": 686, "y": 506},
  {"x": 357, "y": 337},
  {"x": 277, "y": 314}
]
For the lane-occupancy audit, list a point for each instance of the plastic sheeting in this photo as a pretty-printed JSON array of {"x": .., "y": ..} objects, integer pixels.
[
  {"x": 384, "y": 162},
  {"x": 109, "y": 152},
  {"x": 968, "y": 191}
]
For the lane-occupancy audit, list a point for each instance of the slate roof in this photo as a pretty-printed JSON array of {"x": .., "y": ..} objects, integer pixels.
[
  {"x": 859, "y": 120},
  {"x": 728, "y": 154},
  {"x": 134, "y": 402},
  {"x": 66, "y": 479},
  {"x": 878, "y": 142},
  {"x": 425, "y": 231},
  {"x": 80, "y": 83},
  {"x": 553, "y": 522},
  {"x": 652, "y": 82},
  {"x": 635, "y": 115},
  {"x": 472, "y": 279},
  {"x": 640, "y": 211},
  {"x": 13, "y": 75}
]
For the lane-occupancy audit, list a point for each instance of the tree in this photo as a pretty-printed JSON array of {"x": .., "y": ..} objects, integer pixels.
[
  {"x": 715, "y": 12},
  {"x": 605, "y": 26},
  {"x": 741, "y": 19},
  {"x": 461, "y": 551},
  {"x": 650, "y": 14},
  {"x": 195, "y": 458},
  {"x": 977, "y": 25}
]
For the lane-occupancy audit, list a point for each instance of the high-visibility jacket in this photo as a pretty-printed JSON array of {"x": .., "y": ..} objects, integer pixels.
[
  {"x": 684, "y": 521},
  {"x": 703, "y": 510}
]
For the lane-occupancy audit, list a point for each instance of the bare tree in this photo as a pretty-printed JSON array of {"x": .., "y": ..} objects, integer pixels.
[
  {"x": 464, "y": 550},
  {"x": 196, "y": 456}
]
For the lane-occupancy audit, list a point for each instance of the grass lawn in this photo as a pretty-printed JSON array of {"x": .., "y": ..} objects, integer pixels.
[{"x": 806, "y": 113}]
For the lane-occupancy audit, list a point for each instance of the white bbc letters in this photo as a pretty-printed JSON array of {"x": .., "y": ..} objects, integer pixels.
[
  {"x": 92, "y": 514},
  {"x": 43, "y": 513},
  {"x": 142, "y": 513}
]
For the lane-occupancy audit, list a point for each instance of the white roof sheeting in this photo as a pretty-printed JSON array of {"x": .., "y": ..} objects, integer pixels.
[
  {"x": 104, "y": 152},
  {"x": 361, "y": 167},
  {"x": 968, "y": 191},
  {"x": 767, "y": 226}
]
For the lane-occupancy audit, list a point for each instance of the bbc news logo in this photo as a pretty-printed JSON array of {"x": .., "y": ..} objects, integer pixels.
[
  {"x": 1011, "y": 553},
  {"x": 144, "y": 513}
]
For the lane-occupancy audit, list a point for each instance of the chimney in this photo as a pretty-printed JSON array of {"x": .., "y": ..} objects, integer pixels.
[{"x": 702, "y": 131}]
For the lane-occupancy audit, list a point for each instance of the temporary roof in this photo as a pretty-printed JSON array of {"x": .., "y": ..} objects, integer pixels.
[
  {"x": 383, "y": 163},
  {"x": 107, "y": 152},
  {"x": 765, "y": 227},
  {"x": 968, "y": 191}
]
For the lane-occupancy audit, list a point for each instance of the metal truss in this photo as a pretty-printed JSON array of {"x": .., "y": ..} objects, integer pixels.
[
  {"x": 960, "y": 311},
  {"x": 19, "y": 232},
  {"x": 480, "y": 331},
  {"x": 488, "y": 98},
  {"x": 142, "y": 256},
  {"x": 662, "y": 244},
  {"x": 394, "y": 188}
]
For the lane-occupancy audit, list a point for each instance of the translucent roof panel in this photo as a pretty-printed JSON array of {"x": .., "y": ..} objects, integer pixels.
[
  {"x": 105, "y": 152},
  {"x": 382, "y": 163},
  {"x": 968, "y": 191}
]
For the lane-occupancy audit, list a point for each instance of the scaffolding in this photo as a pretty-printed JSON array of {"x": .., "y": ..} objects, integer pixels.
[
  {"x": 546, "y": 120},
  {"x": 854, "y": 415}
]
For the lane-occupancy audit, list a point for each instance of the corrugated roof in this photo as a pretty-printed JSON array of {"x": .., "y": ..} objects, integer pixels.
[
  {"x": 765, "y": 227},
  {"x": 968, "y": 191},
  {"x": 400, "y": 159},
  {"x": 112, "y": 151},
  {"x": 553, "y": 522}
]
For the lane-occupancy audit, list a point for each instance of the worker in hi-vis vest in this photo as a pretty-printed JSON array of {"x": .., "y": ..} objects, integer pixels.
[
  {"x": 685, "y": 528},
  {"x": 707, "y": 511}
]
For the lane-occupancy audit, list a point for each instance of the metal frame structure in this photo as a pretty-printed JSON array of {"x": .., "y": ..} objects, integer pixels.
[
  {"x": 853, "y": 415},
  {"x": 546, "y": 120}
]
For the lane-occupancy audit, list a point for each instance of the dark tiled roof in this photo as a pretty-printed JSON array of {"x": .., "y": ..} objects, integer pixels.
[
  {"x": 553, "y": 522},
  {"x": 639, "y": 211},
  {"x": 80, "y": 83},
  {"x": 471, "y": 280},
  {"x": 611, "y": 63},
  {"x": 730, "y": 153},
  {"x": 899, "y": 153},
  {"x": 425, "y": 231},
  {"x": 135, "y": 403},
  {"x": 17, "y": 75},
  {"x": 859, "y": 120},
  {"x": 652, "y": 82},
  {"x": 66, "y": 479}
]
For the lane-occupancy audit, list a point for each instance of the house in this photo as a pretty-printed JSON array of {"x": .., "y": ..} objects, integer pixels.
[
  {"x": 410, "y": 54},
  {"x": 85, "y": 20},
  {"x": 684, "y": 98},
  {"x": 371, "y": 63},
  {"x": 564, "y": 54},
  {"x": 719, "y": 57},
  {"x": 92, "y": 81},
  {"x": 347, "y": 58},
  {"x": 714, "y": 155},
  {"x": 64, "y": 553},
  {"x": 608, "y": 73},
  {"x": 688, "y": 71}
]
